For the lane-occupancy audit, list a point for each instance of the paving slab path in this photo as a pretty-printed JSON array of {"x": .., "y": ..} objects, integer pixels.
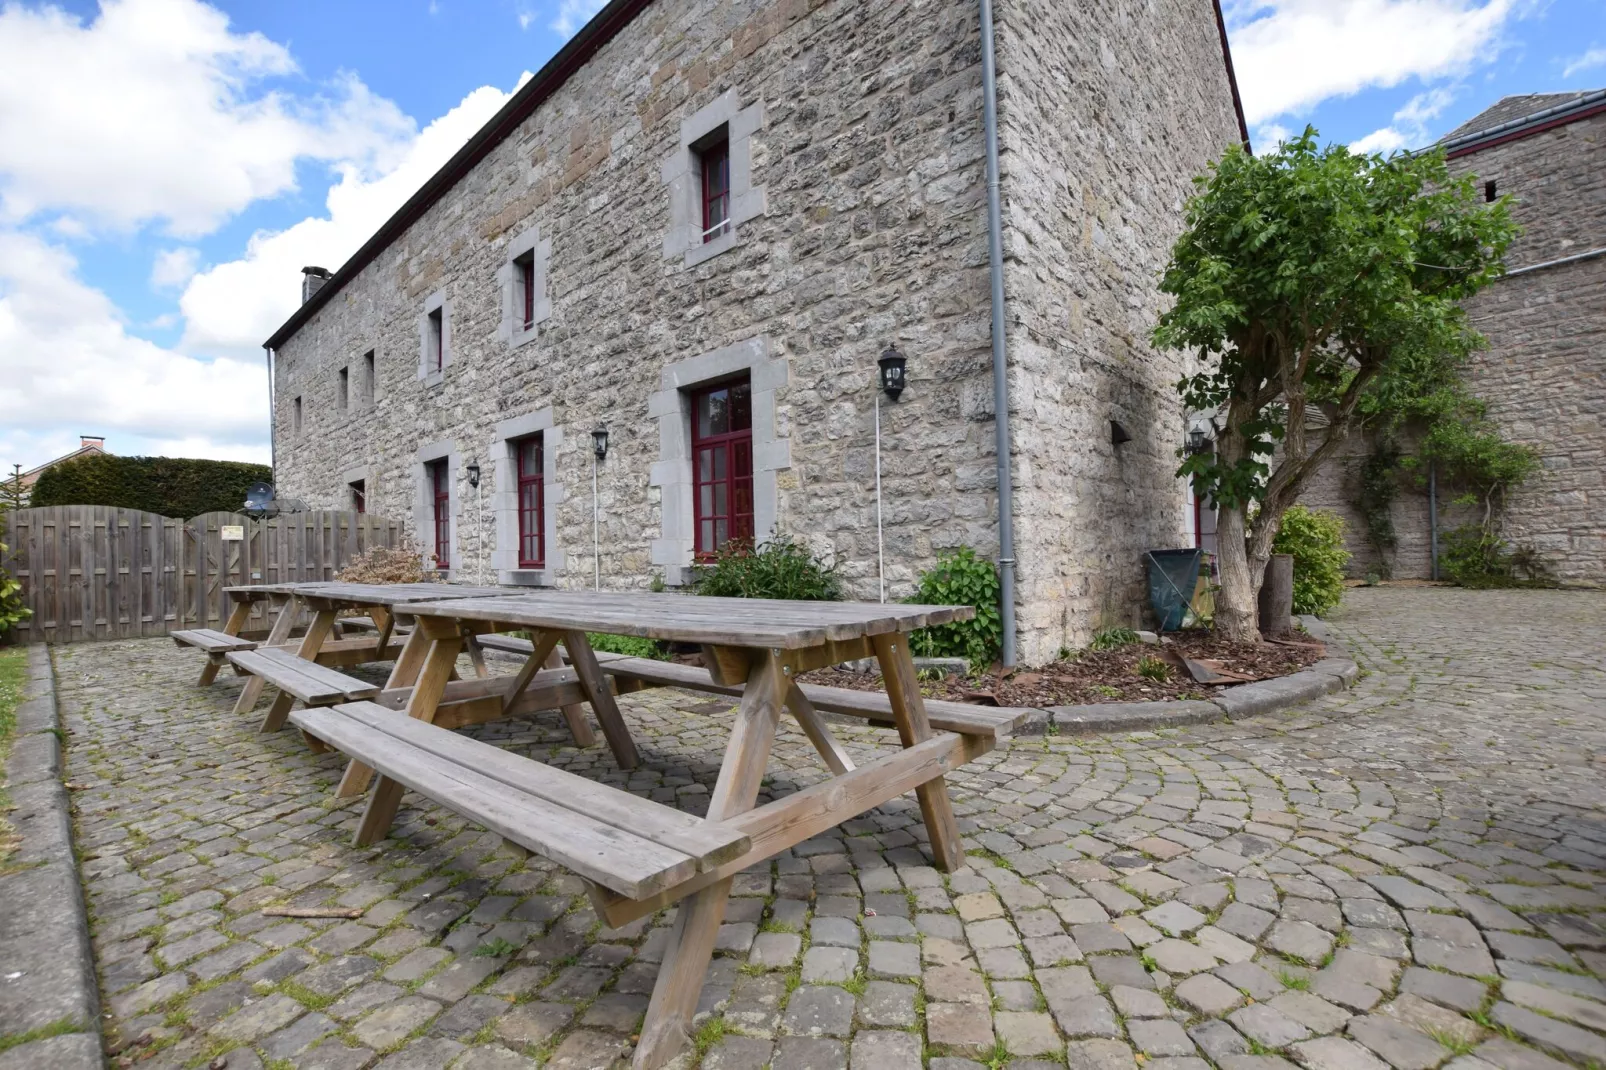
[{"x": 1405, "y": 875}]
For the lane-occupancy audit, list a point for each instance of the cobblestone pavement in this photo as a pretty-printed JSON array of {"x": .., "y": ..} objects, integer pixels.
[{"x": 1408, "y": 874}]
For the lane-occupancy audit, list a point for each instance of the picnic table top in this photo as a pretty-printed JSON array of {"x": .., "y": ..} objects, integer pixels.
[
  {"x": 740, "y": 622},
  {"x": 376, "y": 594}
]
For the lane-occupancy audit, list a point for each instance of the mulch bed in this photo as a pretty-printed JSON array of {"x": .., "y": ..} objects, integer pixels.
[{"x": 1109, "y": 675}]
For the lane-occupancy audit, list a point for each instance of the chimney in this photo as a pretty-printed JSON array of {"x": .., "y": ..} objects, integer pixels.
[
  {"x": 312, "y": 280},
  {"x": 96, "y": 442}
]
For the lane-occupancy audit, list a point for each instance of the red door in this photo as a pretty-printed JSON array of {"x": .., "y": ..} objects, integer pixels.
[{"x": 722, "y": 465}]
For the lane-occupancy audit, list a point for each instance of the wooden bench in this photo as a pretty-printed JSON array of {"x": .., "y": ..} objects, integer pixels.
[
  {"x": 632, "y": 846},
  {"x": 313, "y": 684},
  {"x": 216, "y": 644},
  {"x": 991, "y": 722},
  {"x": 509, "y": 644}
]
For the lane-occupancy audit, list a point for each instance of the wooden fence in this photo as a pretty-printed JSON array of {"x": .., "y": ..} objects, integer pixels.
[{"x": 94, "y": 572}]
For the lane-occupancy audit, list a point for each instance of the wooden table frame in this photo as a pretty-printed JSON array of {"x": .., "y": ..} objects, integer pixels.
[{"x": 767, "y": 676}]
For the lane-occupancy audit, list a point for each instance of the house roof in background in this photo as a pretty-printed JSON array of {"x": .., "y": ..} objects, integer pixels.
[
  {"x": 89, "y": 446},
  {"x": 1515, "y": 117}
]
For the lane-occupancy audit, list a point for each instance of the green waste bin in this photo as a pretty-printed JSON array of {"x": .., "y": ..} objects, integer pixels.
[{"x": 1173, "y": 575}]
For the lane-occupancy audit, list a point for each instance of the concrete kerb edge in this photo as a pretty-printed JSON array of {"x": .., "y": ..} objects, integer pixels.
[
  {"x": 1333, "y": 673},
  {"x": 44, "y": 927}
]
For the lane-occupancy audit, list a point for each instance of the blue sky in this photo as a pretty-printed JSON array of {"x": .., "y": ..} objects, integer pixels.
[{"x": 167, "y": 166}]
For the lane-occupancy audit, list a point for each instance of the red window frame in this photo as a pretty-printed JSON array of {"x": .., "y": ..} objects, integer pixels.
[
  {"x": 722, "y": 465},
  {"x": 530, "y": 458},
  {"x": 716, "y": 161},
  {"x": 441, "y": 499}
]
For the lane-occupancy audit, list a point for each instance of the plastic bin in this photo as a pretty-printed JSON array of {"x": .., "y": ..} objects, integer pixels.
[{"x": 1173, "y": 578}]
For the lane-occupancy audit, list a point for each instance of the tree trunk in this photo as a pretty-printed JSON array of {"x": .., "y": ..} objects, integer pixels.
[{"x": 1237, "y": 606}]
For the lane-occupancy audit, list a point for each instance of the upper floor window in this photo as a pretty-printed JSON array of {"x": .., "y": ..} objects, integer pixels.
[
  {"x": 297, "y": 416},
  {"x": 435, "y": 340},
  {"x": 715, "y": 159},
  {"x": 722, "y": 465},
  {"x": 368, "y": 378},
  {"x": 524, "y": 290},
  {"x": 359, "y": 495},
  {"x": 343, "y": 389},
  {"x": 530, "y": 457},
  {"x": 1490, "y": 190},
  {"x": 440, "y": 490}
]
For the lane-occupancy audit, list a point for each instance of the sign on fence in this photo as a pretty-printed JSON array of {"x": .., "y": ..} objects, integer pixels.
[{"x": 95, "y": 572}]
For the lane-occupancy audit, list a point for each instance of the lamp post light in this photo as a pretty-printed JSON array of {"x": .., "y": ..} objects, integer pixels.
[
  {"x": 599, "y": 450},
  {"x": 893, "y": 366},
  {"x": 599, "y": 442}
]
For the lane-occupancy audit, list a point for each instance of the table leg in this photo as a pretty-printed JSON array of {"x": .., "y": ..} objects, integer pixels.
[
  {"x": 429, "y": 685},
  {"x": 574, "y": 713},
  {"x": 476, "y": 657},
  {"x": 323, "y": 623},
  {"x": 808, "y": 718},
  {"x": 667, "y": 1029},
  {"x": 288, "y": 609},
  {"x": 236, "y": 621},
  {"x": 909, "y": 713},
  {"x": 385, "y": 621},
  {"x": 600, "y": 695}
]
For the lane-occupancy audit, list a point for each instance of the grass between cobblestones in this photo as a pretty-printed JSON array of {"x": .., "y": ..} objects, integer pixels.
[{"x": 13, "y": 670}]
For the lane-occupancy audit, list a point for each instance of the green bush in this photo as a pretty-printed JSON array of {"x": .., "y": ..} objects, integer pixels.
[
  {"x": 180, "y": 487},
  {"x": 960, "y": 578},
  {"x": 781, "y": 568},
  {"x": 1112, "y": 638},
  {"x": 1474, "y": 558},
  {"x": 1315, "y": 538},
  {"x": 629, "y": 645},
  {"x": 12, "y": 611}
]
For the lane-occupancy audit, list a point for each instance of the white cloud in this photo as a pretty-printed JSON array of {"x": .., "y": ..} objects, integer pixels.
[
  {"x": 1290, "y": 55},
  {"x": 174, "y": 267},
  {"x": 71, "y": 363},
  {"x": 1595, "y": 57},
  {"x": 155, "y": 111},
  {"x": 1410, "y": 125},
  {"x": 234, "y": 306},
  {"x": 573, "y": 14},
  {"x": 1270, "y": 135},
  {"x": 1387, "y": 141}
]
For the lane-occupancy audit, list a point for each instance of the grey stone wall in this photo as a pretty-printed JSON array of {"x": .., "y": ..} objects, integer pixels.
[
  {"x": 1544, "y": 373},
  {"x": 863, "y": 225}
]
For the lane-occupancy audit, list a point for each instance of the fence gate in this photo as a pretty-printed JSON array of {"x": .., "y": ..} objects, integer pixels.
[{"x": 95, "y": 572}]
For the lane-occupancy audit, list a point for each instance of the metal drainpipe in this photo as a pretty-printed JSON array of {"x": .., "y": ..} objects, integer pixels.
[
  {"x": 995, "y": 243},
  {"x": 273, "y": 437}
]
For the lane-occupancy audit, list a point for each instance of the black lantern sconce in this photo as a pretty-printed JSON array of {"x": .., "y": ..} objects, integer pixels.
[
  {"x": 599, "y": 442},
  {"x": 1196, "y": 441},
  {"x": 474, "y": 473},
  {"x": 1199, "y": 439},
  {"x": 893, "y": 366}
]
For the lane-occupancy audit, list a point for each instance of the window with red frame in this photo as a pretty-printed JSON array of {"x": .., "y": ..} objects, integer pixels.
[
  {"x": 532, "y": 509},
  {"x": 716, "y": 164},
  {"x": 722, "y": 465},
  {"x": 440, "y": 487}
]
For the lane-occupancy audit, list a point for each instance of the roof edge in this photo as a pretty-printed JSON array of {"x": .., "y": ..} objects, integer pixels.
[
  {"x": 1581, "y": 107},
  {"x": 602, "y": 28},
  {"x": 1232, "y": 77}
]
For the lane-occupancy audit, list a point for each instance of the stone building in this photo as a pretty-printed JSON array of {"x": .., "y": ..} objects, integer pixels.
[
  {"x": 699, "y": 227},
  {"x": 1544, "y": 373}
]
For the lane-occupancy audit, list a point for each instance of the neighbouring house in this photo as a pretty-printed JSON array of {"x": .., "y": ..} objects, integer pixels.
[
  {"x": 87, "y": 444},
  {"x": 701, "y": 225},
  {"x": 1543, "y": 375}
]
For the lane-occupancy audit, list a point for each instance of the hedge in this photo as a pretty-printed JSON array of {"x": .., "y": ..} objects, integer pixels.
[{"x": 179, "y": 487}]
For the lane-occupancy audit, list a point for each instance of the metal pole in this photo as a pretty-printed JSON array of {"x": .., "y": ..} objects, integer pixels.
[
  {"x": 880, "y": 551},
  {"x": 995, "y": 244},
  {"x": 596, "y": 535},
  {"x": 1433, "y": 518}
]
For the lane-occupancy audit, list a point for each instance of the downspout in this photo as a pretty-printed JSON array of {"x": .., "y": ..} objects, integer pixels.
[
  {"x": 995, "y": 249},
  {"x": 273, "y": 438}
]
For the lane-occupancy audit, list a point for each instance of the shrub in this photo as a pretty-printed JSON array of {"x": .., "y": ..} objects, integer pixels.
[
  {"x": 960, "y": 578},
  {"x": 629, "y": 645},
  {"x": 180, "y": 487},
  {"x": 12, "y": 611},
  {"x": 1112, "y": 638},
  {"x": 781, "y": 568},
  {"x": 385, "y": 564},
  {"x": 1315, "y": 538},
  {"x": 1475, "y": 558},
  {"x": 1152, "y": 668}
]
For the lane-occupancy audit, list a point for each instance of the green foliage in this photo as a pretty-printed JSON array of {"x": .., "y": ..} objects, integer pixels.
[
  {"x": 1112, "y": 638},
  {"x": 1380, "y": 485},
  {"x": 1315, "y": 537},
  {"x": 629, "y": 645},
  {"x": 12, "y": 611},
  {"x": 1475, "y": 558},
  {"x": 781, "y": 568},
  {"x": 960, "y": 578},
  {"x": 1152, "y": 668},
  {"x": 179, "y": 487}
]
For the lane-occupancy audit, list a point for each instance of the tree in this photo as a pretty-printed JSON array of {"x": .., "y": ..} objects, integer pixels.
[
  {"x": 12, "y": 494},
  {"x": 1302, "y": 280}
]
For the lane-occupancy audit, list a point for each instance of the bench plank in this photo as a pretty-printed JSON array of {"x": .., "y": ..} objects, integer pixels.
[
  {"x": 708, "y": 844},
  {"x": 629, "y": 864},
  {"x": 211, "y": 640},
  {"x": 308, "y": 681}
]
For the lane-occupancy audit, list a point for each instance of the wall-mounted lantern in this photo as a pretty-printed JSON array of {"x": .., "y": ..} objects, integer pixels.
[
  {"x": 599, "y": 442},
  {"x": 474, "y": 473},
  {"x": 1199, "y": 438},
  {"x": 892, "y": 372}
]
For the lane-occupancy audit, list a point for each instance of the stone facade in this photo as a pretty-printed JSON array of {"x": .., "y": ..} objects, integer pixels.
[
  {"x": 859, "y": 209},
  {"x": 1544, "y": 373}
]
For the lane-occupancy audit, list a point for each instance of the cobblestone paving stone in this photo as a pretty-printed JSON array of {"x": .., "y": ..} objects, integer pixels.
[{"x": 1409, "y": 874}]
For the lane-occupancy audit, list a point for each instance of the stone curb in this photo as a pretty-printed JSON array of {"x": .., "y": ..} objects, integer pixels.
[
  {"x": 44, "y": 930},
  {"x": 1333, "y": 673}
]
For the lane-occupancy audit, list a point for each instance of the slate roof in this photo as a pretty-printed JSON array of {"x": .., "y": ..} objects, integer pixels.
[{"x": 1508, "y": 108}]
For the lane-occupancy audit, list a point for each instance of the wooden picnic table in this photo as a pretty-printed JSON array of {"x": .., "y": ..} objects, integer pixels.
[
  {"x": 383, "y": 602},
  {"x": 762, "y": 646}
]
